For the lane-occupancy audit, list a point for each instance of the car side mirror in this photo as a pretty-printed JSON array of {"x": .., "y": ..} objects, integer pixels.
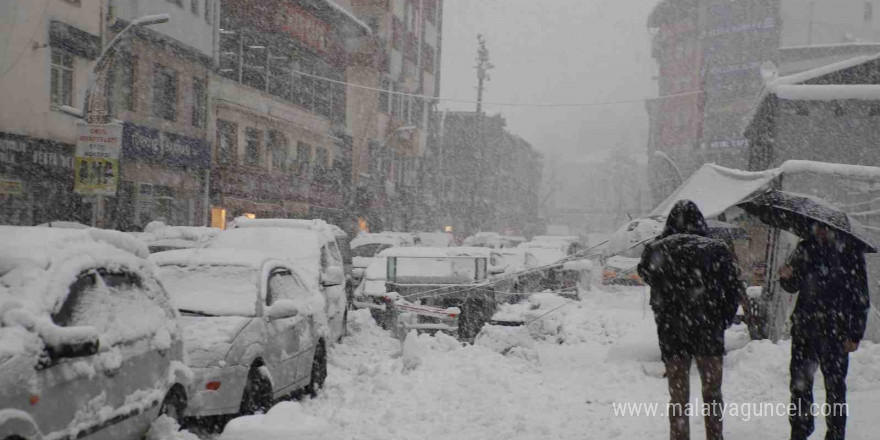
[
  {"x": 332, "y": 276},
  {"x": 281, "y": 309},
  {"x": 72, "y": 342}
]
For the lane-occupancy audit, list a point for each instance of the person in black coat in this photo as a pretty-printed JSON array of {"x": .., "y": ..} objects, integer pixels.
[
  {"x": 695, "y": 291},
  {"x": 828, "y": 322}
]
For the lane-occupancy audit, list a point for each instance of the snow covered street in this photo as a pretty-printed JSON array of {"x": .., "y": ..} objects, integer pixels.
[{"x": 561, "y": 382}]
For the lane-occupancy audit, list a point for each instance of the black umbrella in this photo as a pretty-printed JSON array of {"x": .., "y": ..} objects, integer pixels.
[{"x": 797, "y": 213}]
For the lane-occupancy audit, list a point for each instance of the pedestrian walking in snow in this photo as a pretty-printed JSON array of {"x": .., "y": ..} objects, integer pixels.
[
  {"x": 695, "y": 290},
  {"x": 828, "y": 273}
]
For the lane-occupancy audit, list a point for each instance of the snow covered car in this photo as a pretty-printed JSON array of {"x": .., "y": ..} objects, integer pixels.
[
  {"x": 89, "y": 342},
  {"x": 341, "y": 252},
  {"x": 443, "y": 278},
  {"x": 313, "y": 251},
  {"x": 622, "y": 271},
  {"x": 365, "y": 247},
  {"x": 254, "y": 326},
  {"x": 435, "y": 239},
  {"x": 519, "y": 263},
  {"x": 493, "y": 240}
]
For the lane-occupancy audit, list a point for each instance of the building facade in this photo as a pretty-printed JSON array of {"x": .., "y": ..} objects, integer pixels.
[
  {"x": 390, "y": 144},
  {"x": 279, "y": 110},
  {"x": 45, "y": 60},
  {"x": 718, "y": 61},
  {"x": 485, "y": 178}
]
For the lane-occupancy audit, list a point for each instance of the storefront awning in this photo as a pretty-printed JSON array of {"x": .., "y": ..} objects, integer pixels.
[{"x": 715, "y": 188}]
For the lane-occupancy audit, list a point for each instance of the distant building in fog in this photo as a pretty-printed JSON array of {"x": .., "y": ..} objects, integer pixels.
[{"x": 710, "y": 54}]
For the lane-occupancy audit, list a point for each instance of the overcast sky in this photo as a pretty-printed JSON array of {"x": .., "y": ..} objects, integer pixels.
[{"x": 556, "y": 51}]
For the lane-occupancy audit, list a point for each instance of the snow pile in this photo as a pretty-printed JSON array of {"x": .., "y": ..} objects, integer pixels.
[
  {"x": 509, "y": 341},
  {"x": 283, "y": 421},
  {"x": 165, "y": 428}
]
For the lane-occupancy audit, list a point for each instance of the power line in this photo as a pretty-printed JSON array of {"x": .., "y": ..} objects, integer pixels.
[{"x": 499, "y": 104}]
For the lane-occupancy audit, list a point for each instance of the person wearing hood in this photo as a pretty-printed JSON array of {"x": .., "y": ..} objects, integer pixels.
[{"x": 695, "y": 291}]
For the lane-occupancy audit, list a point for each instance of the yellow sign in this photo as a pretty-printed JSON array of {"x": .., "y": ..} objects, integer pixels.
[
  {"x": 11, "y": 187},
  {"x": 96, "y": 165}
]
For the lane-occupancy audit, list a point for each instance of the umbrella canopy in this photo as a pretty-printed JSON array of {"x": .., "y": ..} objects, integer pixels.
[{"x": 796, "y": 213}]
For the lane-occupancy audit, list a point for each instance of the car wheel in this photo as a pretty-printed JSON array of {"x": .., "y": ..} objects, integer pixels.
[
  {"x": 257, "y": 396},
  {"x": 319, "y": 370},
  {"x": 174, "y": 405}
]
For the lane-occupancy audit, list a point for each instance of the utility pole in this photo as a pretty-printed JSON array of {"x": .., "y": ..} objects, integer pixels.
[{"x": 483, "y": 66}]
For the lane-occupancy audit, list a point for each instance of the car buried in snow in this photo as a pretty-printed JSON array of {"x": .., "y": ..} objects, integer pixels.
[
  {"x": 313, "y": 250},
  {"x": 89, "y": 343},
  {"x": 255, "y": 328},
  {"x": 452, "y": 281}
]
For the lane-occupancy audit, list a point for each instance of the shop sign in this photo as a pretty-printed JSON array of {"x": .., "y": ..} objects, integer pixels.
[
  {"x": 96, "y": 164},
  {"x": 11, "y": 187},
  {"x": 149, "y": 145},
  {"x": 32, "y": 153}
]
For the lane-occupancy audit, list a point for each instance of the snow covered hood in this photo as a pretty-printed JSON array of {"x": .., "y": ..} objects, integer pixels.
[{"x": 208, "y": 340}]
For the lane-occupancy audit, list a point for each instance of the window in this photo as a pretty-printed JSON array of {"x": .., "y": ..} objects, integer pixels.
[
  {"x": 396, "y": 34},
  {"x": 428, "y": 58},
  {"x": 227, "y": 139},
  {"x": 303, "y": 158},
  {"x": 431, "y": 11},
  {"x": 252, "y": 146},
  {"x": 418, "y": 111},
  {"x": 321, "y": 160},
  {"x": 869, "y": 11},
  {"x": 278, "y": 146},
  {"x": 165, "y": 93},
  {"x": 373, "y": 23},
  {"x": 123, "y": 90},
  {"x": 209, "y": 15},
  {"x": 874, "y": 110},
  {"x": 283, "y": 285},
  {"x": 194, "y": 6},
  {"x": 98, "y": 298},
  {"x": 384, "y": 96},
  {"x": 62, "y": 78},
  {"x": 200, "y": 104}
]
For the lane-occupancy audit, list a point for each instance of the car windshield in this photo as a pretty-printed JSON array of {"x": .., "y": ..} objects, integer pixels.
[
  {"x": 212, "y": 290},
  {"x": 369, "y": 250}
]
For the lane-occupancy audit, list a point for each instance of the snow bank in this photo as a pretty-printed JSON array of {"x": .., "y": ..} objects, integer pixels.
[
  {"x": 283, "y": 421},
  {"x": 165, "y": 428}
]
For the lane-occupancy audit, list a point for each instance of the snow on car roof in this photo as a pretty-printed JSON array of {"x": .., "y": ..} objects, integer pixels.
[
  {"x": 293, "y": 244},
  {"x": 317, "y": 225},
  {"x": 418, "y": 252},
  {"x": 212, "y": 257},
  {"x": 155, "y": 231},
  {"x": 378, "y": 238}
]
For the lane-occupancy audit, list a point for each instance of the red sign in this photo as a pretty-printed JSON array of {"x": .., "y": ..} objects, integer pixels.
[{"x": 304, "y": 27}]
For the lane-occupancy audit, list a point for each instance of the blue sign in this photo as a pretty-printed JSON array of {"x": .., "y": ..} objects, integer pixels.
[{"x": 154, "y": 146}]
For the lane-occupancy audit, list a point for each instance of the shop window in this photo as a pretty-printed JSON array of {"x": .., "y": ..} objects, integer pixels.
[
  {"x": 62, "y": 78},
  {"x": 165, "y": 93},
  {"x": 227, "y": 140},
  {"x": 252, "y": 146},
  {"x": 200, "y": 102},
  {"x": 278, "y": 146},
  {"x": 303, "y": 158}
]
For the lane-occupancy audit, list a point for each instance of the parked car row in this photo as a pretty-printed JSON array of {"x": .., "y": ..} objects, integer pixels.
[{"x": 98, "y": 337}]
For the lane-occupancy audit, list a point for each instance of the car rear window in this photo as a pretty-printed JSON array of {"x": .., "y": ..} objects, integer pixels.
[{"x": 212, "y": 290}]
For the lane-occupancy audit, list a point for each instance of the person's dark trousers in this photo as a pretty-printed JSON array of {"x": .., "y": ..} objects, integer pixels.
[
  {"x": 678, "y": 374},
  {"x": 808, "y": 354}
]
